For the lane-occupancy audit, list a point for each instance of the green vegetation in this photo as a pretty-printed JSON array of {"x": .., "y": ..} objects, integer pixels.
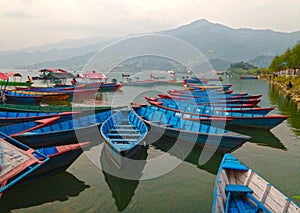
[
  {"x": 241, "y": 68},
  {"x": 288, "y": 60}
]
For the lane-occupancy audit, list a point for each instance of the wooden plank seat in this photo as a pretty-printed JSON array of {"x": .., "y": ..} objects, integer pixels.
[
  {"x": 124, "y": 126},
  {"x": 123, "y": 135},
  {"x": 232, "y": 189},
  {"x": 124, "y": 130},
  {"x": 122, "y": 140},
  {"x": 237, "y": 188}
]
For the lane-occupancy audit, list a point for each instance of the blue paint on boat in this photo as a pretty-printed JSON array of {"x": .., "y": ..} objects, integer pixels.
[
  {"x": 9, "y": 118},
  {"x": 124, "y": 132},
  {"x": 194, "y": 132},
  {"x": 66, "y": 132},
  {"x": 241, "y": 119},
  {"x": 239, "y": 189}
]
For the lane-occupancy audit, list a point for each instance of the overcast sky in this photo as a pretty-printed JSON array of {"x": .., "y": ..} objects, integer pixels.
[{"x": 26, "y": 23}]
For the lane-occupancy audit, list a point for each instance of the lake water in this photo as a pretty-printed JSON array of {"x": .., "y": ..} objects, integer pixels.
[{"x": 189, "y": 187}]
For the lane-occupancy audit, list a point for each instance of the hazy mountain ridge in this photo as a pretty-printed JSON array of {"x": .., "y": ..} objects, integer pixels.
[
  {"x": 219, "y": 43},
  {"x": 29, "y": 56}
]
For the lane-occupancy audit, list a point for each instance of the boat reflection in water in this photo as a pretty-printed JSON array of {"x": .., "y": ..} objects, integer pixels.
[
  {"x": 189, "y": 154},
  {"x": 261, "y": 137},
  {"x": 123, "y": 181},
  {"x": 287, "y": 107},
  {"x": 59, "y": 187}
]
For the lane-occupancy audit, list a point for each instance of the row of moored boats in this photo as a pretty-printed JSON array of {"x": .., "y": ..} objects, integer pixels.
[{"x": 204, "y": 116}]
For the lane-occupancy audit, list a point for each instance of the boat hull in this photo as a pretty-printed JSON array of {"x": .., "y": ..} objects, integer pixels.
[
  {"x": 9, "y": 118},
  {"x": 62, "y": 133},
  {"x": 239, "y": 119},
  {"x": 240, "y": 189},
  {"x": 30, "y": 100},
  {"x": 124, "y": 133},
  {"x": 188, "y": 131}
]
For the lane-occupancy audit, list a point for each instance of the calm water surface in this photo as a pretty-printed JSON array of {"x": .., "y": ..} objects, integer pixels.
[{"x": 84, "y": 187}]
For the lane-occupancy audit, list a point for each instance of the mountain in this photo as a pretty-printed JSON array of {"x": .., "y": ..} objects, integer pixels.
[
  {"x": 219, "y": 41},
  {"x": 221, "y": 45},
  {"x": 64, "y": 50},
  {"x": 261, "y": 61}
]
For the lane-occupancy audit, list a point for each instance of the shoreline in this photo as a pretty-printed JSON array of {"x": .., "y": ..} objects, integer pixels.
[{"x": 281, "y": 81}]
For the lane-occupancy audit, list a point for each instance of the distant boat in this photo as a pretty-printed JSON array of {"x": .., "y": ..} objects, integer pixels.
[
  {"x": 239, "y": 189},
  {"x": 207, "y": 86},
  {"x": 249, "y": 77},
  {"x": 124, "y": 133},
  {"x": 94, "y": 79},
  {"x": 13, "y": 79}
]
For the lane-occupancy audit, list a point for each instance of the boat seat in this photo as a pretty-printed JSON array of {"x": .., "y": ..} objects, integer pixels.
[
  {"x": 120, "y": 135},
  {"x": 237, "y": 188},
  {"x": 124, "y": 126},
  {"x": 123, "y": 140},
  {"x": 124, "y": 130}
]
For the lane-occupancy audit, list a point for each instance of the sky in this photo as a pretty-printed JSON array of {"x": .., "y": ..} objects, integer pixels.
[{"x": 28, "y": 23}]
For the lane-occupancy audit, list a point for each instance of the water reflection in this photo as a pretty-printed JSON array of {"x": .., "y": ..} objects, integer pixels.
[
  {"x": 260, "y": 137},
  {"x": 165, "y": 144},
  {"x": 122, "y": 189},
  {"x": 286, "y": 107},
  {"x": 59, "y": 187}
]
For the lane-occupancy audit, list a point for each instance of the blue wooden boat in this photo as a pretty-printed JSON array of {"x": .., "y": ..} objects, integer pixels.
[
  {"x": 71, "y": 131},
  {"x": 17, "y": 161},
  {"x": 19, "y": 128},
  {"x": 208, "y": 101},
  {"x": 220, "y": 108},
  {"x": 165, "y": 122},
  {"x": 74, "y": 91},
  {"x": 202, "y": 91},
  {"x": 239, "y": 189},
  {"x": 53, "y": 108},
  {"x": 193, "y": 112},
  {"x": 124, "y": 132},
  {"x": 19, "y": 98},
  {"x": 211, "y": 95},
  {"x": 223, "y": 87},
  {"x": 60, "y": 159},
  {"x": 9, "y": 118},
  {"x": 214, "y": 104}
]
